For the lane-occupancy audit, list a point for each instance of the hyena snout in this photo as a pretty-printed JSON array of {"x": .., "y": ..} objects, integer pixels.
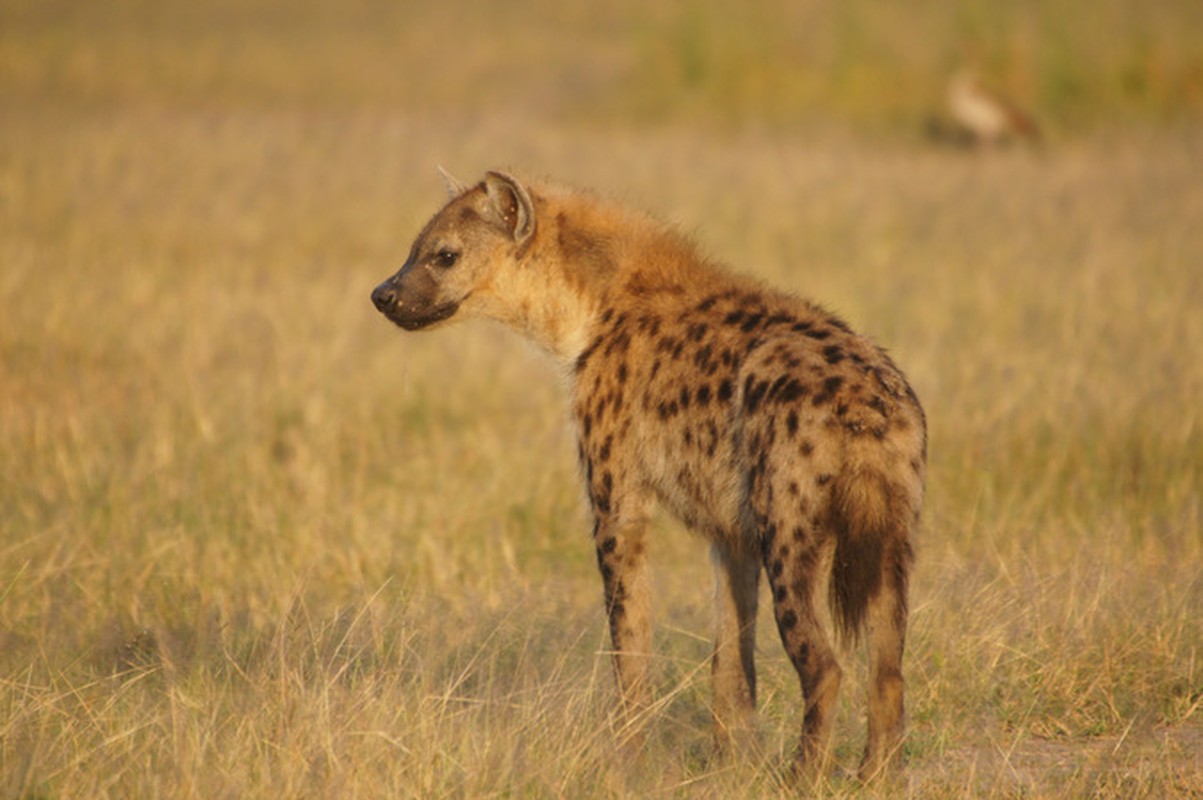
[
  {"x": 413, "y": 300},
  {"x": 384, "y": 296}
]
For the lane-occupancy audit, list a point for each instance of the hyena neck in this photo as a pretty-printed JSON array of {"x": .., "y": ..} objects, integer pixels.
[
  {"x": 592, "y": 258},
  {"x": 587, "y": 260},
  {"x": 555, "y": 295},
  {"x": 551, "y": 314}
]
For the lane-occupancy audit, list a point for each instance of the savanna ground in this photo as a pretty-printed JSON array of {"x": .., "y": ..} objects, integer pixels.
[{"x": 255, "y": 542}]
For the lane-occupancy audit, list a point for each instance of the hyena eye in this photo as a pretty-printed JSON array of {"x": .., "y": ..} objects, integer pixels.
[{"x": 446, "y": 258}]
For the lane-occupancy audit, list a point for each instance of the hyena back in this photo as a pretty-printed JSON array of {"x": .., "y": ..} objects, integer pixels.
[{"x": 762, "y": 421}]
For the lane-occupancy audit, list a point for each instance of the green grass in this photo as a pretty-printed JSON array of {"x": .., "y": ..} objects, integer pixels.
[{"x": 255, "y": 542}]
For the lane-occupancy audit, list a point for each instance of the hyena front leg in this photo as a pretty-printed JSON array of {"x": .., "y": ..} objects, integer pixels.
[
  {"x": 733, "y": 668},
  {"x": 619, "y": 531}
]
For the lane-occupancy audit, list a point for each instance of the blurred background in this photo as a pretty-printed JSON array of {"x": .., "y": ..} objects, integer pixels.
[{"x": 767, "y": 63}]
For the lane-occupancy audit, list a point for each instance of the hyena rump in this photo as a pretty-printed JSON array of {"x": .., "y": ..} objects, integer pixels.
[{"x": 760, "y": 420}]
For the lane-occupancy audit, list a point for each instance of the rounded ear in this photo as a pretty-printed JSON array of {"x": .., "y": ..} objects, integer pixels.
[
  {"x": 454, "y": 187},
  {"x": 512, "y": 204}
]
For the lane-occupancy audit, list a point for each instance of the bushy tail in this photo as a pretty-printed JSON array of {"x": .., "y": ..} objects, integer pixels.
[{"x": 870, "y": 518}]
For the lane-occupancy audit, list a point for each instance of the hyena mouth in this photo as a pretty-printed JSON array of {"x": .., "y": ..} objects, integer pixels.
[
  {"x": 412, "y": 320},
  {"x": 413, "y": 315}
]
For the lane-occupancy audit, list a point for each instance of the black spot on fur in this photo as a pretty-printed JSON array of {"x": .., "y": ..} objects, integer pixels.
[
  {"x": 792, "y": 391},
  {"x": 832, "y": 354},
  {"x": 583, "y": 358},
  {"x": 649, "y": 324},
  {"x": 708, "y": 303},
  {"x": 684, "y": 398},
  {"x": 734, "y": 318},
  {"x": 791, "y": 422},
  {"x": 620, "y": 343},
  {"x": 754, "y": 392},
  {"x": 725, "y": 390},
  {"x": 776, "y": 387},
  {"x": 830, "y": 387},
  {"x": 751, "y": 322},
  {"x": 819, "y": 335},
  {"x": 702, "y": 357},
  {"x": 788, "y": 621},
  {"x": 703, "y": 395}
]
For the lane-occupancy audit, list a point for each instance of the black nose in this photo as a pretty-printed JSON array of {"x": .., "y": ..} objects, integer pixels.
[{"x": 384, "y": 297}]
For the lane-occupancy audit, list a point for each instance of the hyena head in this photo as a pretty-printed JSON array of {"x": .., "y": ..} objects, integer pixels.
[{"x": 482, "y": 230}]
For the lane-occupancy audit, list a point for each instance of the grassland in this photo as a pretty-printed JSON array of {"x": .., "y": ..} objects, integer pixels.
[{"x": 254, "y": 542}]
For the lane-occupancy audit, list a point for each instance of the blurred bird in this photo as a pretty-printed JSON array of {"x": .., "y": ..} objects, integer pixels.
[{"x": 985, "y": 118}]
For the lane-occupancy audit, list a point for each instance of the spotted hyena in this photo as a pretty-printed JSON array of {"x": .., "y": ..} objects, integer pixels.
[{"x": 762, "y": 421}]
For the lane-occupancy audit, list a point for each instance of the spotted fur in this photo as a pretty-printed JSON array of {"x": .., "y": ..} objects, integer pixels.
[{"x": 763, "y": 422}]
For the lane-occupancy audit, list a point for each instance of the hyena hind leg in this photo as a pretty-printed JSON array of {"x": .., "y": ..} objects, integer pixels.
[
  {"x": 886, "y": 629},
  {"x": 794, "y": 565},
  {"x": 733, "y": 665}
]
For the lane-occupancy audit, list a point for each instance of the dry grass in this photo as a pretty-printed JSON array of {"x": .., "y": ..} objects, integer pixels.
[{"x": 254, "y": 542}]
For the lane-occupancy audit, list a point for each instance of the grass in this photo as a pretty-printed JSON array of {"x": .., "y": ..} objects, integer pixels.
[{"x": 254, "y": 542}]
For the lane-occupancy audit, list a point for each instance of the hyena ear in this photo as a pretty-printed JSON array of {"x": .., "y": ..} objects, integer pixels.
[
  {"x": 512, "y": 204},
  {"x": 454, "y": 187}
]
